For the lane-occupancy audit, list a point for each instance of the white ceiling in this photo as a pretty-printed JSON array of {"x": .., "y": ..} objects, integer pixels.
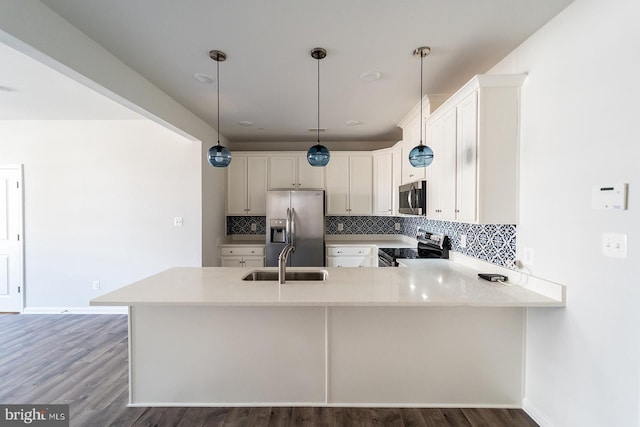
[
  {"x": 269, "y": 77},
  {"x": 30, "y": 90}
]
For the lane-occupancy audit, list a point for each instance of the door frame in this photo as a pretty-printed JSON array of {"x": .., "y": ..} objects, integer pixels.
[{"x": 19, "y": 168}]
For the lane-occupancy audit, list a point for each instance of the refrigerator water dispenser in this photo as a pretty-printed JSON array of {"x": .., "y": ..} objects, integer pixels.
[{"x": 278, "y": 230}]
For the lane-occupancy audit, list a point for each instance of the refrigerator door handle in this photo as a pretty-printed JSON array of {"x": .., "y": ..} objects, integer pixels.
[
  {"x": 293, "y": 228},
  {"x": 288, "y": 226}
]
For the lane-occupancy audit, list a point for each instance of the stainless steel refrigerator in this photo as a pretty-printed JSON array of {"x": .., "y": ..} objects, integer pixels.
[{"x": 296, "y": 217}]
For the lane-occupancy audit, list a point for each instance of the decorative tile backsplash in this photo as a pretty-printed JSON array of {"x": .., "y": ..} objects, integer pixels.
[
  {"x": 495, "y": 243},
  {"x": 242, "y": 225}
]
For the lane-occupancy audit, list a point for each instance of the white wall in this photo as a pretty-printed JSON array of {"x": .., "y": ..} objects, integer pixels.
[
  {"x": 100, "y": 198},
  {"x": 580, "y": 127},
  {"x": 32, "y": 28}
]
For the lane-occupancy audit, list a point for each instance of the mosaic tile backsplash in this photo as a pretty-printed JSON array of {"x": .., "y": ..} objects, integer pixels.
[{"x": 495, "y": 243}]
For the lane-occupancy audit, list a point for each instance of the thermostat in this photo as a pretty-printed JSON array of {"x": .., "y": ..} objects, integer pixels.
[{"x": 609, "y": 197}]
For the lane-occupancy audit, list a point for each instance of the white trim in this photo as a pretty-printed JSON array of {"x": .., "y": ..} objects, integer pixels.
[
  {"x": 75, "y": 310},
  {"x": 19, "y": 169},
  {"x": 319, "y": 404},
  {"x": 534, "y": 412}
]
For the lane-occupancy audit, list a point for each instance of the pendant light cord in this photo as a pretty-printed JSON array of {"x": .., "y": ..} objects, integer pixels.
[
  {"x": 218, "y": 93},
  {"x": 318, "y": 127},
  {"x": 421, "y": 60}
]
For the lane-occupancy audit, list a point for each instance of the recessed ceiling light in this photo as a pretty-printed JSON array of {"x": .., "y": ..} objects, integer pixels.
[
  {"x": 370, "y": 76},
  {"x": 203, "y": 78},
  {"x": 352, "y": 123},
  {"x": 245, "y": 123}
]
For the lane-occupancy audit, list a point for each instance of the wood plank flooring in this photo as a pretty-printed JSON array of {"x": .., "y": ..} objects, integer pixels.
[{"x": 81, "y": 360}]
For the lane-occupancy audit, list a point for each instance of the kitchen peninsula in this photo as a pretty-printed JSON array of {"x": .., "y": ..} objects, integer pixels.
[{"x": 428, "y": 335}]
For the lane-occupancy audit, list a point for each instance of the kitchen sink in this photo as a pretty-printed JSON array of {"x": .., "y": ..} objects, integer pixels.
[{"x": 269, "y": 275}]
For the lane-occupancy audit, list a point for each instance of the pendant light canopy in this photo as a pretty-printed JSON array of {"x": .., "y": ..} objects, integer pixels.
[
  {"x": 318, "y": 155},
  {"x": 421, "y": 155},
  {"x": 218, "y": 156}
]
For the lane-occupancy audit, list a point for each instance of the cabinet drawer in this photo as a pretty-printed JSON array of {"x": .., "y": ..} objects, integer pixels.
[
  {"x": 241, "y": 250},
  {"x": 351, "y": 261},
  {"x": 349, "y": 250}
]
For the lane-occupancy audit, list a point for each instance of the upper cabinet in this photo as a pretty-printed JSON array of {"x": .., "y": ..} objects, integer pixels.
[
  {"x": 386, "y": 179},
  {"x": 410, "y": 138},
  {"x": 247, "y": 184},
  {"x": 293, "y": 171},
  {"x": 349, "y": 184},
  {"x": 474, "y": 136}
]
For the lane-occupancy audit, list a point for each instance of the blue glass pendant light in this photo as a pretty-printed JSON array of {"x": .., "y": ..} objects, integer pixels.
[
  {"x": 218, "y": 156},
  {"x": 318, "y": 155},
  {"x": 421, "y": 156}
]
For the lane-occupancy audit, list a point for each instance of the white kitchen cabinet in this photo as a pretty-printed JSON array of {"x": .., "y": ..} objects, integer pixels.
[
  {"x": 293, "y": 171},
  {"x": 410, "y": 138},
  {"x": 383, "y": 183},
  {"x": 247, "y": 185},
  {"x": 241, "y": 256},
  {"x": 441, "y": 174},
  {"x": 349, "y": 184},
  {"x": 352, "y": 256},
  {"x": 485, "y": 182},
  {"x": 386, "y": 179}
]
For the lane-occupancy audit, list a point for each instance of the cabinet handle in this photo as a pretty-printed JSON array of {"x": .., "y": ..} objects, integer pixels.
[
  {"x": 339, "y": 252},
  {"x": 230, "y": 252}
]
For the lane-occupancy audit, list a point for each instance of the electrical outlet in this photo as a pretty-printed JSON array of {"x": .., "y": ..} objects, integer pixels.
[
  {"x": 340, "y": 226},
  {"x": 177, "y": 221},
  {"x": 463, "y": 241},
  {"x": 527, "y": 256},
  {"x": 96, "y": 285},
  {"x": 254, "y": 227},
  {"x": 397, "y": 226}
]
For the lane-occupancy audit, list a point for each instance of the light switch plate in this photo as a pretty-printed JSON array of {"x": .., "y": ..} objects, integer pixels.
[{"x": 614, "y": 245}]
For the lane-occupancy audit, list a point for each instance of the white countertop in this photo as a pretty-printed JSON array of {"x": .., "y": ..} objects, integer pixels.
[{"x": 424, "y": 283}]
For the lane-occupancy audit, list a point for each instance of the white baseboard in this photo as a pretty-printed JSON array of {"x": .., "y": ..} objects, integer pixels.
[
  {"x": 75, "y": 310},
  {"x": 534, "y": 412}
]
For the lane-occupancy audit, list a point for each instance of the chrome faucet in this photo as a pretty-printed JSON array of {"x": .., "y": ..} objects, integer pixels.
[{"x": 282, "y": 262}]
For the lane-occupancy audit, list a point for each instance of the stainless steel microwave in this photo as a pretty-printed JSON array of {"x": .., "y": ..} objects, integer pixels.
[{"x": 412, "y": 198}]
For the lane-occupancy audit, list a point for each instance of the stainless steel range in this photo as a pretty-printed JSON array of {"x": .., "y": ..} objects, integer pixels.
[{"x": 430, "y": 245}]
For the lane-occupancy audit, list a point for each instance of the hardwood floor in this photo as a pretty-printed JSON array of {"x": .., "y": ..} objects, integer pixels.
[{"x": 81, "y": 360}]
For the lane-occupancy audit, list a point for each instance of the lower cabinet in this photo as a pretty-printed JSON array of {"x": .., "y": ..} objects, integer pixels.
[
  {"x": 352, "y": 256},
  {"x": 241, "y": 256}
]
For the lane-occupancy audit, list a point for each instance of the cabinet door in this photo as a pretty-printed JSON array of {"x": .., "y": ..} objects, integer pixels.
[
  {"x": 383, "y": 184},
  {"x": 441, "y": 174},
  {"x": 256, "y": 185},
  {"x": 253, "y": 262},
  {"x": 237, "y": 186},
  {"x": 282, "y": 173},
  {"x": 309, "y": 177},
  {"x": 231, "y": 261},
  {"x": 411, "y": 138},
  {"x": 361, "y": 185},
  {"x": 337, "y": 185},
  {"x": 466, "y": 156}
]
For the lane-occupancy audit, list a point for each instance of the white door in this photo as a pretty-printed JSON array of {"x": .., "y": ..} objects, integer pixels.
[
  {"x": 11, "y": 239},
  {"x": 310, "y": 177},
  {"x": 361, "y": 185},
  {"x": 282, "y": 173},
  {"x": 337, "y": 184},
  {"x": 383, "y": 184}
]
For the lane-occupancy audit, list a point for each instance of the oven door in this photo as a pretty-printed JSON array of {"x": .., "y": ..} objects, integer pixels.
[{"x": 412, "y": 198}]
